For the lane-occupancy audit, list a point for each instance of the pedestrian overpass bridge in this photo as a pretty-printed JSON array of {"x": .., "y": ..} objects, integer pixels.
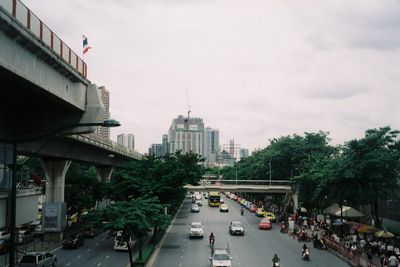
[
  {"x": 245, "y": 186},
  {"x": 249, "y": 186}
]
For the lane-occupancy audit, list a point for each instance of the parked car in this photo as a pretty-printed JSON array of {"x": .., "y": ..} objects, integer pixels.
[
  {"x": 265, "y": 224},
  {"x": 195, "y": 208},
  {"x": 38, "y": 231},
  {"x": 196, "y": 229},
  {"x": 270, "y": 216},
  {"x": 4, "y": 235},
  {"x": 38, "y": 259},
  {"x": 74, "y": 241},
  {"x": 25, "y": 236},
  {"x": 260, "y": 212},
  {"x": 236, "y": 228},
  {"x": 253, "y": 208}
]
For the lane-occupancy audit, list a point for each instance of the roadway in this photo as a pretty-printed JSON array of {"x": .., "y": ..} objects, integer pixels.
[
  {"x": 255, "y": 248},
  {"x": 98, "y": 251}
]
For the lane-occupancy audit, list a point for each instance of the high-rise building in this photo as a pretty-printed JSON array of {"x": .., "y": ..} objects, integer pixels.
[
  {"x": 104, "y": 132},
  {"x": 244, "y": 153},
  {"x": 186, "y": 134},
  {"x": 127, "y": 140},
  {"x": 211, "y": 145},
  {"x": 165, "y": 145},
  {"x": 156, "y": 150}
]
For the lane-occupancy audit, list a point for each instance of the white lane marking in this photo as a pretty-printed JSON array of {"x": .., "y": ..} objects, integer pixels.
[
  {"x": 97, "y": 244},
  {"x": 183, "y": 250},
  {"x": 88, "y": 250},
  {"x": 68, "y": 264},
  {"x": 99, "y": 264},
  {"x": 180, "y": 264},
  {"x": 107, "y": 256},
  {"x": 79, "y": 256},
  {"x": 181, "y": 257}
]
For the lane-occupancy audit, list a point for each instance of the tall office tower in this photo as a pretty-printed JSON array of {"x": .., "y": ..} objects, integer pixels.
[
  {"x": 165, "y": 144},
  {"x": 156, "y": 150},
  {"x": 211, "y": 145},
  {"x": 244, "y": 153},
  {"x": 104, "y": 132},
  {"x": 186, "y": 134},
  {"x": 127, "y": 140}
]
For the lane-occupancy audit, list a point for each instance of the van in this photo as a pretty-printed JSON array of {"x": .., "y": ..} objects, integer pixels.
[{"x": 38, "y": 259}]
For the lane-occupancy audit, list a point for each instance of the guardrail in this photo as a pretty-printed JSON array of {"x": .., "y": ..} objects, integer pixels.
[
  {"x": 43, "y": 33},
  {"x": 107, "y": 144},
  {"x": 245, "y": 182}
]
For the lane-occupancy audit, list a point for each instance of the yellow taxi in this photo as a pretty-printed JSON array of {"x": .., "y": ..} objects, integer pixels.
[
  {"x": 270, "y": 216},
  {"x": 260, "y": 212},
  {"x": 223, "y": 208},
  {"x": 242, "y": 201}
]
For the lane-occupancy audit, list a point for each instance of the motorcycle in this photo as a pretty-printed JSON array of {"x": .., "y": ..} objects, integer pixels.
[
  {"x": 241, "y": 211},
  {"x": 276, "y": 264},
  {"x": 306, "y": 254},
  {"x": 319, "y": 243},
  {"x": 284, "y": 229}
]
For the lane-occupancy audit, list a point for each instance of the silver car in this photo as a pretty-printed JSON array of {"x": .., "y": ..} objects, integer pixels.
[
  {"x": 236, "y": 228},
  {"x": 38, "y": 259},
  {"x": 196, "y": 229}
]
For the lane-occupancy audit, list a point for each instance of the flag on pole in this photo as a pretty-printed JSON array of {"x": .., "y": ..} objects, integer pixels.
[{"x": 86, "y": 46}]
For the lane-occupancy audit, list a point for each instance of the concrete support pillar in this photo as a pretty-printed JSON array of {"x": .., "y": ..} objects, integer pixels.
[
  {"x": 55, "y": 170},
  {"x": 104, "y": 173}
]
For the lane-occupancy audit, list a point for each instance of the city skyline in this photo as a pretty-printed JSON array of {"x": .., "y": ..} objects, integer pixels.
[{"x": 254, "y": 71}]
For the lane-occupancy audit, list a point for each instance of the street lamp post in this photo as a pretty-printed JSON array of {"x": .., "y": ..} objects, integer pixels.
[
  {"x": 270, "y": 172},
  {"x": 13, "y": 206}
]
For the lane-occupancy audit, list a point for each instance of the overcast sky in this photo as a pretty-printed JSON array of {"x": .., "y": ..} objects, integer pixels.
[{"x": 254, "y": 69}]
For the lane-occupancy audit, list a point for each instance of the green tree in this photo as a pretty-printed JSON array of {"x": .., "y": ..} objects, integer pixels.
[
  {"x": 371, "y": 168},
  {"x": 82, "y": 188},
  {"x": 133, "y": 218}
]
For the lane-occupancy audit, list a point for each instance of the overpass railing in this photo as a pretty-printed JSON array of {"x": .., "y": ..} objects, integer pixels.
[
  {"x": 245, "y": 182},
  {"x": 97, "y": 140},
  {"x": 40, "y": 30}
]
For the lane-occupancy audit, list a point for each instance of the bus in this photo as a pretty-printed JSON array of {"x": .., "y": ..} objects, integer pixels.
[{"x": 214, "y": 199}]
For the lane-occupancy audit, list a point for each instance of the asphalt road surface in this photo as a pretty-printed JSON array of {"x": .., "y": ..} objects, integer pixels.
[
  {"x": 255, "y": 249},
  {"x": 98, "y": 251}
]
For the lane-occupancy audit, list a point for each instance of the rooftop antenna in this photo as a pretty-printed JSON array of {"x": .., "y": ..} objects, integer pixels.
[{"x": 188, "y": 103}]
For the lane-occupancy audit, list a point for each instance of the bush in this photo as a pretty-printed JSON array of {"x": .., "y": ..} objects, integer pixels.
[{"x": 146, "y": 254}]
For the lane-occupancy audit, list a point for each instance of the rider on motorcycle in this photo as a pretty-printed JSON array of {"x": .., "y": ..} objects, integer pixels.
[
  {"x": 241, "y": 210},
  {"x": 212, "y": 238},
  {"x": 275, "y": 260},
  {"x": 305, "y": 253}
]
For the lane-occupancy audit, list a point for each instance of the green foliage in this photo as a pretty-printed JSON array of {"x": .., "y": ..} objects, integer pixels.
[{"x": 82, "y": 188}]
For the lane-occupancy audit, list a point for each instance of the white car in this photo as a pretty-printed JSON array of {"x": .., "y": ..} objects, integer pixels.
[
  {"x": 236, "y": 228},
  {"x": 199, "y": 203},
  {"x": 196, "y": 229},
  {"x": 221, "y": 258},
  {"x": 195, "y": 208}
]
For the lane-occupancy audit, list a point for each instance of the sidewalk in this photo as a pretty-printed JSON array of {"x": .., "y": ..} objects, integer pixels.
[{"x": 339, "y": 250}]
